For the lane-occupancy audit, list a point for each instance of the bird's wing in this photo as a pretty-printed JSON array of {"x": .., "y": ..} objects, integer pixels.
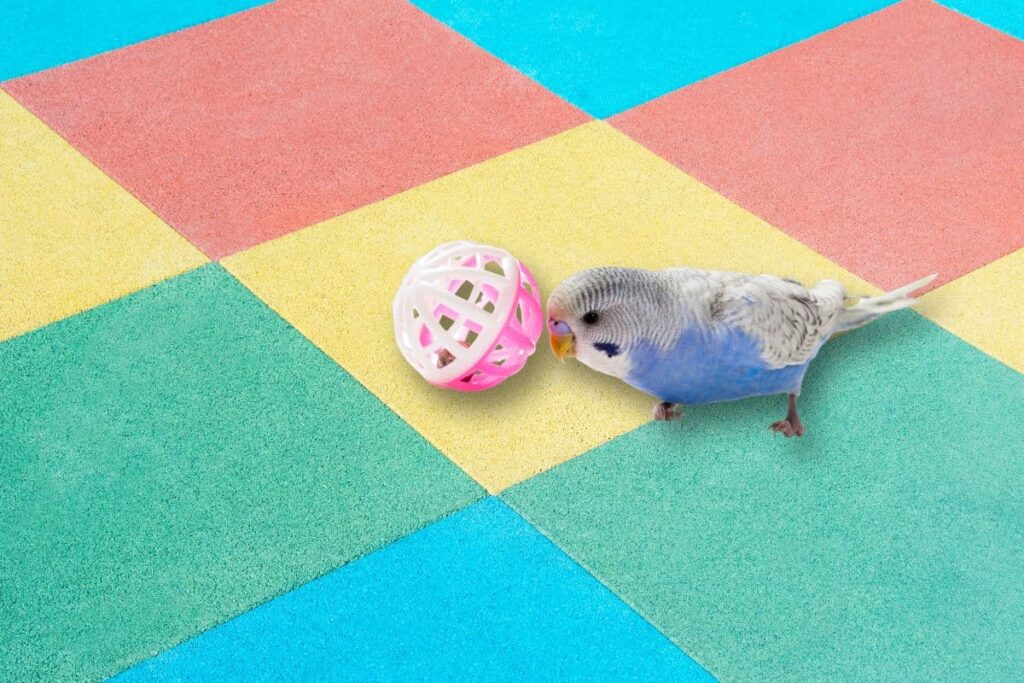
[{"x": 788, "y": 320}]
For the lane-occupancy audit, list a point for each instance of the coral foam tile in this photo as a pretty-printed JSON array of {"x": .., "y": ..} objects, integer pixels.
[
  {"x": 250, "y": 127},
  {"x": 891, "y": 144}
]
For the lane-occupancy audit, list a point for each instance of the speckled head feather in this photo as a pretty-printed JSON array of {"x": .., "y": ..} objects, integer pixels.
[{"x": 614, "y": 306}]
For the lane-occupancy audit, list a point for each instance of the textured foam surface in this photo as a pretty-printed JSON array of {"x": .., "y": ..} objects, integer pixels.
[
  {"x": 609, "y": 56},
  {"x": 247, "y": 128},
  {"x": 476, "y": 596},
  {"x": 587, "y": 197},
  {"x": 70, "y": 237},
  {"x": 44, "y": 33},
  {"x": 883, "y": 545},
  {"x": 191, "y": 490},
  {"x": 891, "y": 144},
  {"x": 1005, "y": 15},
  {"x": 985, "y": 308},
  {"x": 178, "y": 456}
]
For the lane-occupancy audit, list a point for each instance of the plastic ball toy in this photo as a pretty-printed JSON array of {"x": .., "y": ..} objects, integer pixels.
[{"x": 467, "y": 316}]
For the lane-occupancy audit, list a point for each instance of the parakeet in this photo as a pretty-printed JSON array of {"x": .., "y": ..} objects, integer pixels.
[{"x": 689, "y": 336}]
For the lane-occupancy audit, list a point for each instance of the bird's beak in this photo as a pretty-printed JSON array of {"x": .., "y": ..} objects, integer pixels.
[
  {"x": 563, "y": 341},
  {"x": 563, "y": 345}
]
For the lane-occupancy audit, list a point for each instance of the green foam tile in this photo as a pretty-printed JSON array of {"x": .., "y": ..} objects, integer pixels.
[
  {"x": 176, "y": 457},
  {"x": 887, "y": 544}
]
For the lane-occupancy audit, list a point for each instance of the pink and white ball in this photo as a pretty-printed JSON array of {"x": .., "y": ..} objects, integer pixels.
[{"x": 467, "y": 316}]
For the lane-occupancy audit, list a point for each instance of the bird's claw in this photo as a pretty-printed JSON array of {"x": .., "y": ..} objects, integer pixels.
[
  {"x": 666, "y": 412},
  {"x": 786, "y": 428}
]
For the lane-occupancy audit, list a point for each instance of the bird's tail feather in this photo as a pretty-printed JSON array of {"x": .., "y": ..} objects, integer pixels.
[{"x": 873, "y": 307}]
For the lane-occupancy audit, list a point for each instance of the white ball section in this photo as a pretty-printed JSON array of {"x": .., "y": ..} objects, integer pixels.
[{"x": 467, "y": 316}]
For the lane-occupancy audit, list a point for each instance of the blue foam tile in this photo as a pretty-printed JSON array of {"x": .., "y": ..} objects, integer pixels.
[
  {"x": 1005, "y": 15},
  {"x": 606, "y": 57},
  {"x": 40, "y": 34},
  {"x": 478, "y": 595}
]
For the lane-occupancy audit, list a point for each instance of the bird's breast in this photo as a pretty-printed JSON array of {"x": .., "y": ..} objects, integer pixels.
[{"x": 708, "y": 366}]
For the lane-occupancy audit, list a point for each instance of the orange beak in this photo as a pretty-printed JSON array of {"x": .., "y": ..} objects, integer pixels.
[{"x": 563, "y": 345}]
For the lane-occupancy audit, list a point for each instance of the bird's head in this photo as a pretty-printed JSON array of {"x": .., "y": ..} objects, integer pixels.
[{"x": 596, "y": 316}]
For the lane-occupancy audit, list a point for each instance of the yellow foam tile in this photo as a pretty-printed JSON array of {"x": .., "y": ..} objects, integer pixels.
[
  {"x": 586, "y": 197},
  {"x": 985, "y": 308},
  {"x": 70, "y": 237}
]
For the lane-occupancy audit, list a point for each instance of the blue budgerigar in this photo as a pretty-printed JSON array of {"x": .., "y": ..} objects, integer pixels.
[{"x": 689, "y": 336}]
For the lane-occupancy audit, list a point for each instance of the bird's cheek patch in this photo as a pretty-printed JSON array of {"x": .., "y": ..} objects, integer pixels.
[{"x": 609, "y": 348}]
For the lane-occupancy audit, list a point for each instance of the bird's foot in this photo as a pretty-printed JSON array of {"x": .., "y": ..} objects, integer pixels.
[
  {"x": 666, "y": 412},
  {"x": 787, "y": 428},
  {"x": 791, "y": 426}
]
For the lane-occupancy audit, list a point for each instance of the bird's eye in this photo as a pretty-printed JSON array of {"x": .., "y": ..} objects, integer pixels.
[{"x": 590, "y": 317}]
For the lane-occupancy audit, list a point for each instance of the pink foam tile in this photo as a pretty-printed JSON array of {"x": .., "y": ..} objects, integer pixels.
[
  {"x": 250, "y": 127},
  {"x": 893, "y": 144}
]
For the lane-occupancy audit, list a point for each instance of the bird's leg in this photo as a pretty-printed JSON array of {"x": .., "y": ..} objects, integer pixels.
[
  {"x": 665, "y": 412},
  {"x": 791, "y": 426}
]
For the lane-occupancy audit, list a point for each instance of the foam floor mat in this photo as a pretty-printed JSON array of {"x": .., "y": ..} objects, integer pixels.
[
  {"x": 178, "y": 456},
  {"x": 73, "y": 238},
  {"x": 478, "y": 595},
  {"x": 609, "y": 56},
  {"x": 850, "y": 555},
  {"x": 48, "y": 33},
  {"x": 216, "y": 465},
  {"x": 884, "y": 190},
  {"x": 245, "y": 129}
]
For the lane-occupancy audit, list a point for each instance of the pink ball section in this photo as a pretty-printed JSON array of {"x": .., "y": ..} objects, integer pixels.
[
  {"x": 515, "y": 344},
  {"x": 485, "y": 316}
]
